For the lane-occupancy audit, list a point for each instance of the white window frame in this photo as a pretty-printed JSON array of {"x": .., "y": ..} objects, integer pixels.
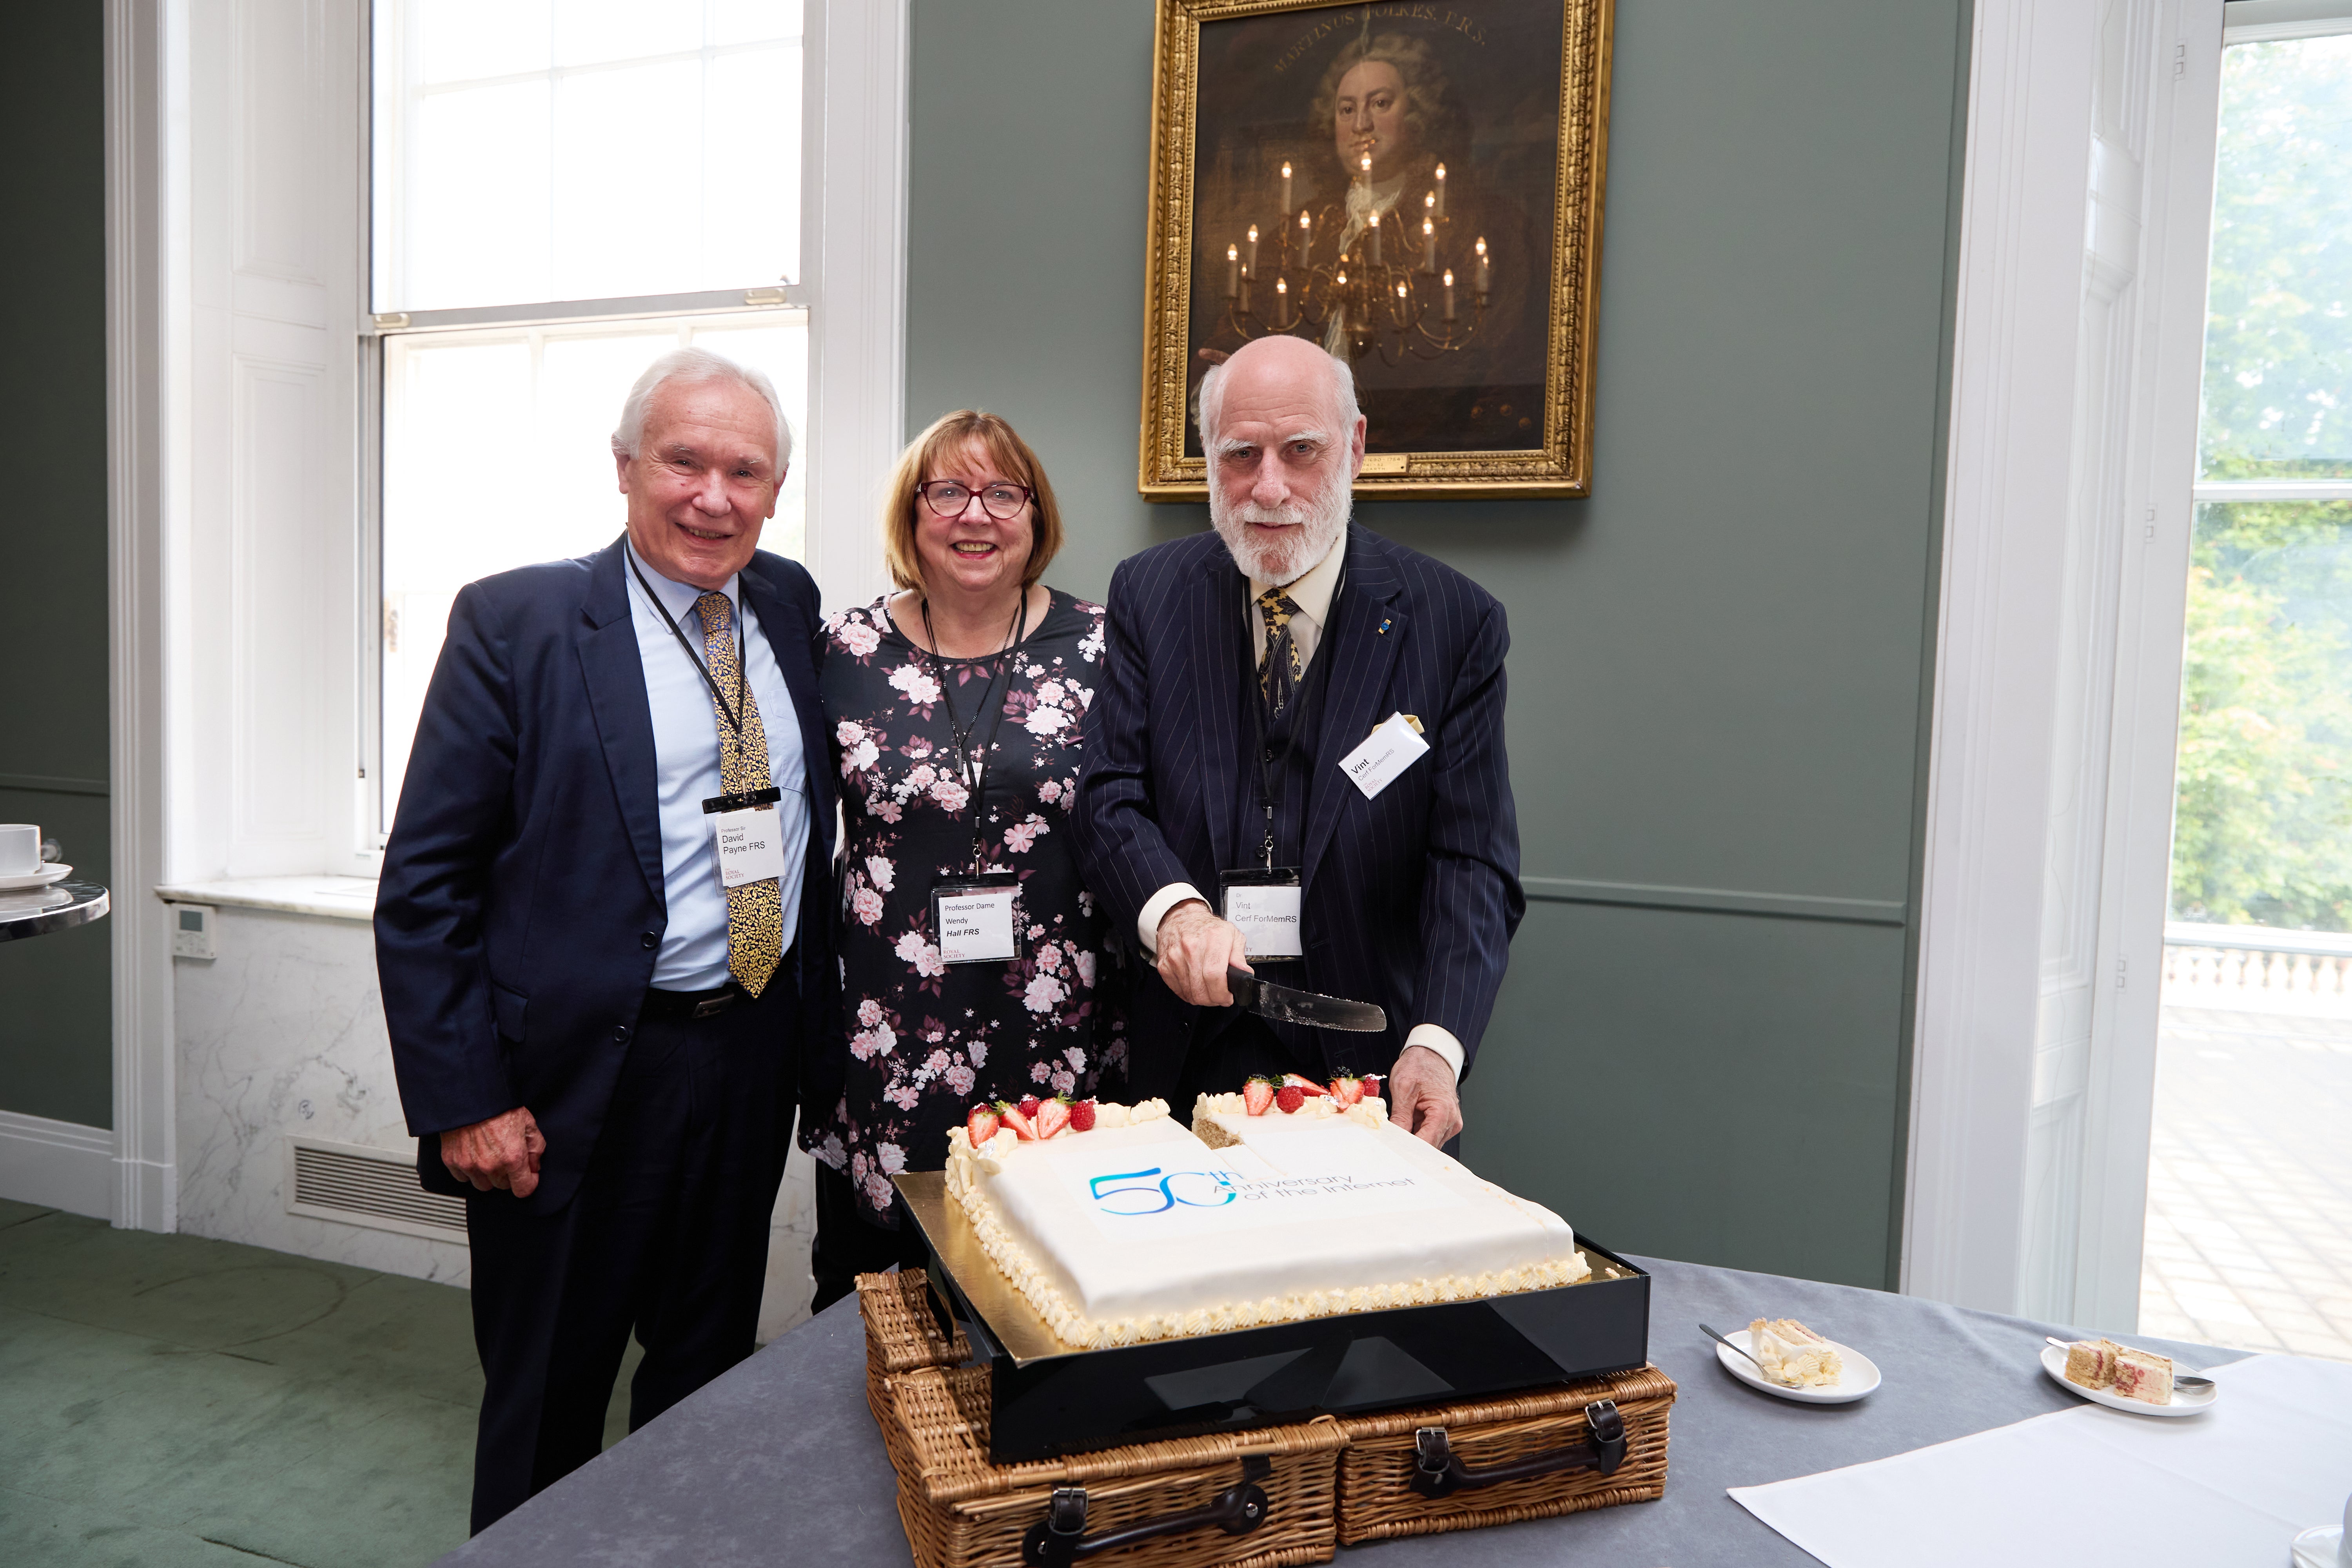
[{"x": 209, "y": 763}]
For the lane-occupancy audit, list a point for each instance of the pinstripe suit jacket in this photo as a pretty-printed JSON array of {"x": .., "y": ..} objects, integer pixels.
[{"x": 1412, "y": 896}]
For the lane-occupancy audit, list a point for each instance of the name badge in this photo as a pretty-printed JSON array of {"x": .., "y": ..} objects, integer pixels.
[
  {"x": 976, "y": 920},
  {"x": 1265, "y": 907},
  {"x": 1395, "y": 746},
  {"x": 751, "y": 845}
]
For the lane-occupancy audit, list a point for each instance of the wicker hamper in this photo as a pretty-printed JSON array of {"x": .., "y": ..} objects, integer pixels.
[
  {"x": 1244, "y": 1500},
  {"x": 1450, "y": 1467},
  {"x": 902, "y": 1334}
]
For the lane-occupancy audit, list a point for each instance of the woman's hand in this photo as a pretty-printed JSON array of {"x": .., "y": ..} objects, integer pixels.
[{"x": 1193, "y": 949}]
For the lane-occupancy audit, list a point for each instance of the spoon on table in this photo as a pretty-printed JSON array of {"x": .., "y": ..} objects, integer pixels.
[
  {"x": 2186, "y": 1382},
  {"x": 1718, "y": 1339}
]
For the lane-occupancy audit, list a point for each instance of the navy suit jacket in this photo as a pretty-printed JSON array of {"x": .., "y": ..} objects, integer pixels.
[
  {"x": 520, "y": 908},
  {"x": 1410, "y": 897}
]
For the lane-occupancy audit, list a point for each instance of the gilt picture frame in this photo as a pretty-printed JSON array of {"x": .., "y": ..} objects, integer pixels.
[{"x": 1417, "y": 187}]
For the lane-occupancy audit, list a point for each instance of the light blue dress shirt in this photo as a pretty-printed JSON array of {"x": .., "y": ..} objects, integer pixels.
[{"x": 693, "y": 955}]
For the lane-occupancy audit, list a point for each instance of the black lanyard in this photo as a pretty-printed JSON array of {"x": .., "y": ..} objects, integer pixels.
[
  {"x": 733, "y": 715},
  {"x": 973, "y": 766},
  {"x": 1271, "y": 764}
]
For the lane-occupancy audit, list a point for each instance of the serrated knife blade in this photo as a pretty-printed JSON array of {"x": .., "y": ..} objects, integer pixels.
[{"x": 1287, "y": 1004}]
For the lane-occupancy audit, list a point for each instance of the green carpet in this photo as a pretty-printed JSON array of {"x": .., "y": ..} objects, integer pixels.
[{"x": 168, "y": 1400}]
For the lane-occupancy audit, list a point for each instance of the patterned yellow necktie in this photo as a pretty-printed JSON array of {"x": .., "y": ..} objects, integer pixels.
[
  {"x": 755, "y": 911},
  {"x": 1278, "y": 672}
]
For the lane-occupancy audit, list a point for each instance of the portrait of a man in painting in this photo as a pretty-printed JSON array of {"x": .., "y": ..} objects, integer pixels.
[{"x": 1382, "y": 180}]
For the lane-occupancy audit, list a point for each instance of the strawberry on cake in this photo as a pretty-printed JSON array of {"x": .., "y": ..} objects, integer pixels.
[{"x": 1288, "y": 1199}]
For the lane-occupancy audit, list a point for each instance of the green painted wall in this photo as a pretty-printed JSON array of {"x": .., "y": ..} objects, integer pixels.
[
  {"x": 1717, "y": 663},
  {"x": 55, "y": 1012}
]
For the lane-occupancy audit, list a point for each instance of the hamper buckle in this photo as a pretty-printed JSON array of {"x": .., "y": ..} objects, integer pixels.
[
  {"x": 1437, "y": 1472},
  {"x": 1061, "y": 1538}
]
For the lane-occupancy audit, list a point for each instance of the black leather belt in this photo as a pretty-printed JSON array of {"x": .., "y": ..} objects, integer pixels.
[{"x": 692, "y": 1004}]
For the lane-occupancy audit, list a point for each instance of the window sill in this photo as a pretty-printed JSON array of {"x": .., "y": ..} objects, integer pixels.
[{"x": 329, "y": 898}]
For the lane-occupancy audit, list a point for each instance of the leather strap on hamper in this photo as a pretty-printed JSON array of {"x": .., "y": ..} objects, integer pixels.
[
  {"x": 1061, "y": 1536},
  {"x": 1436, "y": 1472}
]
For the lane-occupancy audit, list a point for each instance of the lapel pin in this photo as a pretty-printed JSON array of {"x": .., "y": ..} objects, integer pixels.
[{"x": 1386, "y": 622}]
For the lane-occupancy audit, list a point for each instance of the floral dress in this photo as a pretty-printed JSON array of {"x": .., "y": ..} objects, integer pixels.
[{"x": 927, "y": 1038}]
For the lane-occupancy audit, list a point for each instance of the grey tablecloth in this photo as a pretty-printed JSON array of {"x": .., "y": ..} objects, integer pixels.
[{"x": 778, "y": 1462}]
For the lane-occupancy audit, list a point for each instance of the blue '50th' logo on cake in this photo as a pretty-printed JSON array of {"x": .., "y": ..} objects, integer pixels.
[{"x": 1142, "y": 1195}]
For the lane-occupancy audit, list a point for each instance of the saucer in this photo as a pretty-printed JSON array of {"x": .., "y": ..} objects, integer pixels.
[
  {"x": 40, "y": 879},
  {"x": 1858, "y": 1378}
]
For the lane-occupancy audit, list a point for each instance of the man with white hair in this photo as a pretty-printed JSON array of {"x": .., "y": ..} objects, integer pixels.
[
  {"x": 1295, "y": 765},
  {"x": 601, "y": 929}
]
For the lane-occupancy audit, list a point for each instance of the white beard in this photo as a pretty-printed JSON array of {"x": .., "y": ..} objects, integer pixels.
[{"x": 1283, "y": 561}]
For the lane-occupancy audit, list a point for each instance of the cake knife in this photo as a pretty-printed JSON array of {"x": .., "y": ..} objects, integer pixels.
[{"x": 1285, "y": 1005}]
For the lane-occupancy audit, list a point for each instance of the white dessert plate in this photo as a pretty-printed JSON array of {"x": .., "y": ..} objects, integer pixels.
[
  {"x": 1858, "y": 1375},
  {"x": 40, "y": 879},
  {"x": 2054, "y": 1362}
]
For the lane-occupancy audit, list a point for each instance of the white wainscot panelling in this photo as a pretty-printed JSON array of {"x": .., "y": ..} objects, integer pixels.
[
  {"x": 281, "y": 102},
  {"x": 279, "y": 544},
  {"x": 283, "y": 1032}
]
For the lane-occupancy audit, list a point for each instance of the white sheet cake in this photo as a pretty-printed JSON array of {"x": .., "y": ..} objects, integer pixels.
[{"x": 1139, "y": 1229}]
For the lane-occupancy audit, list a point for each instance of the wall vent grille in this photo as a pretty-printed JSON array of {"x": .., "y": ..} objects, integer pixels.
[{"x": 354, "y": 1185}]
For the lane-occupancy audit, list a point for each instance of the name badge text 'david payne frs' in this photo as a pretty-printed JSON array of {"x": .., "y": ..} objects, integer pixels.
[
  {"x": 1386, "y": 753},
  {"x": 751, "y": 845},
  {"x": 975, "y": 922}
]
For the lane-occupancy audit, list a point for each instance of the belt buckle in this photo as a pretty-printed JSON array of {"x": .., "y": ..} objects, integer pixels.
[{"x": 712, "y": 1006}]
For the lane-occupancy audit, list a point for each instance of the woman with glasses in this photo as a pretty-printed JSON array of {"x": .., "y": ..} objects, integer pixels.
[{"x": 969, "y": 948}]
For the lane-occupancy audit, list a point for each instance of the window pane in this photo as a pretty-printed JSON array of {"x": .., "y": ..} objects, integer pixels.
[
  {"x": 497, "y": 453},
  {"x": 587, "y": 149},
  {"x": 2263, "y": 822},
  {"x": 2278, "y": 345}
]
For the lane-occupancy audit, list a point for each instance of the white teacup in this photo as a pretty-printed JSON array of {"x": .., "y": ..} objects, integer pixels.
[{"x": 20, "y": 848}]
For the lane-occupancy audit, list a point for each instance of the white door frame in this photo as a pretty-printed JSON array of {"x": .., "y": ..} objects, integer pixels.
[{"x": 2034, "y": 463}]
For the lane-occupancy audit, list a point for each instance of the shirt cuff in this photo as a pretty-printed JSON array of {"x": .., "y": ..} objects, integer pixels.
[
  {"x": 1156, "y": 907},
  {"x": 1442, "y": 1041}
]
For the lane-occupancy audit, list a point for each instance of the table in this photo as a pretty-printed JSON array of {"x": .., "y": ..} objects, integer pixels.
[
  {"x": 778, "y": 1461},
  {"x": 38, "y": 911}
]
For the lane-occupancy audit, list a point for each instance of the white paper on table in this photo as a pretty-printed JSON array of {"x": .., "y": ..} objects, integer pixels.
[{"x": 2233, "y": 1486}]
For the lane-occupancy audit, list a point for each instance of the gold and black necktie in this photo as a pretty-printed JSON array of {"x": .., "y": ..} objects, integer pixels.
[
  {"x": 1278, "y": 673},
  {"x": 755, "y": 911}
]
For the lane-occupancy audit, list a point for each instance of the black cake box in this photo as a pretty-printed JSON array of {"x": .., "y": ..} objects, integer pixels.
[{"x": 1049, "y": 1399}]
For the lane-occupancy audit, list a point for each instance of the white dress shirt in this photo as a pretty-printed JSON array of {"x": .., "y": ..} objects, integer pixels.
[
  {"x": 693, "y": 955},
  {"x": 1311, "y": 592}
]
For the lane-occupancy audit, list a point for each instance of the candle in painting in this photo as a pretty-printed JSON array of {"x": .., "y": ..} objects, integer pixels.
[
  {"x": 1305, "y": 236},
  {"x": 1437, "y": 196},
  {"x": 1233, "y": 272},
  {"x": 1365, "y": 163},
  {"x": 1449, "y": 293},
  {"x": 1282, "y": 301},
  {"x": 1251, "y": 270},
  {"x": 1428, "y": 245},
  {"x": 1479, "y": 278},
  {"x": 1286, "y": 187},
  {"x": 1377, "y": 224}
]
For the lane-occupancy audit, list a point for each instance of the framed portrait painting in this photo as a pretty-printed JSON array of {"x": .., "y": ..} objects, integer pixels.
[{"x": 1417, "y": 188}]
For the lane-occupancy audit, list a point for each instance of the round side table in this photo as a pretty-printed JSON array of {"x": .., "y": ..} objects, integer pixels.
[{"x": 37, "y": 911}]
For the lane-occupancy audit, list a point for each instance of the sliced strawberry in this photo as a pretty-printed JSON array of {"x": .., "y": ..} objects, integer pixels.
[
  {"x": 1029, "y": 1105},
  {"x": 1257, "y": 1095},
  {"x": 1289, "y": 1096},
  {"x": 1053, "y": 1117},
  {"x": 1304, "y": 1085},
  {"x": 1347, "y": 1089},
  {"x": 981, "y": 1124},
  {"x": 1022, "y": 1128},
  {"x": 1371, "y": 1086},
  {"x": 1082, "y": 1116}
]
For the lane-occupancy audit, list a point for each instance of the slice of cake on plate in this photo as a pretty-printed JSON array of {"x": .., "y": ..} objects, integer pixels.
[
  {"x": 1794, "y": 1354},
  {"x": 1272, "y": 1206},
  {"x": 2144, "y": 1376},
  {"x": 2092, "y": 1363}
]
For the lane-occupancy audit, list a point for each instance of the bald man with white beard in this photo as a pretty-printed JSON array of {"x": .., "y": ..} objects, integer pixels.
[{"x": 1295, "y": 764}]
